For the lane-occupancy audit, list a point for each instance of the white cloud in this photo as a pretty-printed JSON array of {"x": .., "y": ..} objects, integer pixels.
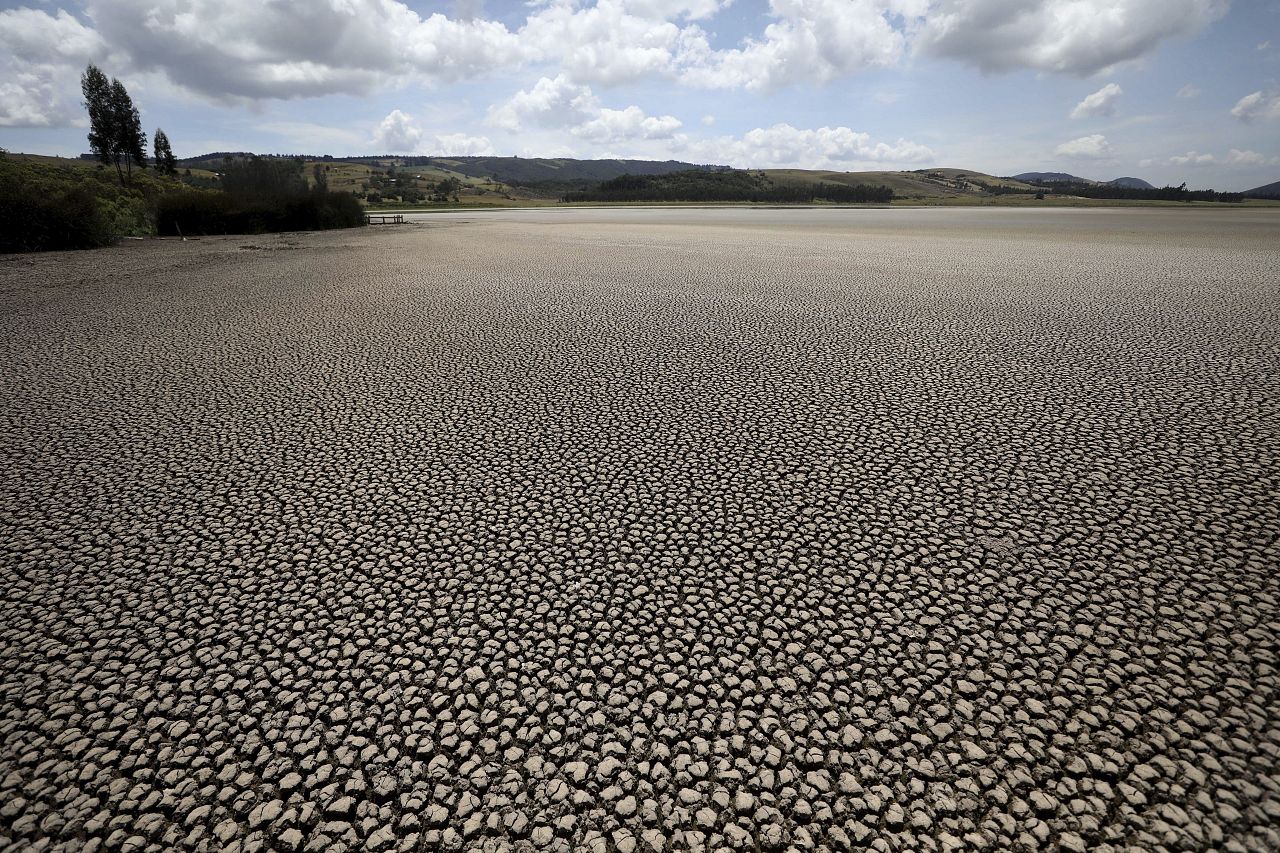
[
  {"x": 783, "y": 145},
  {"x": 397, "y": 133},
  {"x": 1189, "y": 91},
  {"x": 626, "y": 124},
  {"x": 1234, "y": 157},
  {"x": 551, "y": 102},
  {"x": 1093, "y": 147},
  {"x": 1237, "y": 157},
  {"x": 667, "y": 9},
  {"x": 1068, "y": 36},
  {"x": 1263, "y": 105},
  {"x": 41, "y": 57},
  {"x": 606, "y": 43},
  {"x": 250, "y": 49},
  {"x": 1100, "y": 103},
  {"x": 230, "y": 50},
  {"x": 462, "y": 145},
  {"x": 30, "y": 34},
  {"x": 1266, "y": 45},
  {"x": 810, "y": 41},
  {"x": 560, "y": 103}
]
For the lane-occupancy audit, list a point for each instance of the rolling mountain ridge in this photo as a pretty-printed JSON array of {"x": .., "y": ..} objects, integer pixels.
[
  {"x": 1065, "y": 178},
  {"x": 1271, "y": 190}
]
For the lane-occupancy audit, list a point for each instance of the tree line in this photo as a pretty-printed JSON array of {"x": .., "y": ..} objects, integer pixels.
[
  {"x": 115, "y": 128},
  {"x": 727, "y": 185},
  {"x": 1116, "y": 192},
  {"x": 259, "y": 195}
]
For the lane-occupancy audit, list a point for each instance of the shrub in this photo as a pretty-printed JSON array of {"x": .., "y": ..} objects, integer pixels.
[
  {"x": 58, "y": 206},
  {"x": 70, "y": 219},
  {"x": 190, "y": 213}
]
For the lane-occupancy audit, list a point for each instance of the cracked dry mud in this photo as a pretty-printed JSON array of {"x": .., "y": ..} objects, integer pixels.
[{"x": 647, "y": 530}]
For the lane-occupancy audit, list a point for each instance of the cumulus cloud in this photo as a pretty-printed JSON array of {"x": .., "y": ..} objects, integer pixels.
[
  {"x": 1189, "y": 91},
  {"x": 254, "y": 50},
  {"x": 666, "y": 9},
  {"x": 1100, "y": 103},
  {"x": 1093, "y": 147},
  {"x": 1069, "y": 36},
  {"x": 1258, "y": 105},
  {"x": 1192, "y": 158},
  {"x": 626, "y": 124},
  {"x": 41, "y": 56},
  {"x": 783, "y": 145},
  {"x": 551, "y": 102},
  {"x": 1238, "y": 157},
  {"x": 608, "y": 43},
  {"x": 562, "y": 104},
  {"x": 397, "y": 133},
  {"x": 250, "y": 50},
  {"x": 810, "y": 41},
  {"x": 1234, "y": 157},
  {"x": 462, "y": 145}
]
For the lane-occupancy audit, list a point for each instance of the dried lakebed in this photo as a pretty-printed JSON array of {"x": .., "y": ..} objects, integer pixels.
[{"x": 647, "y": 530}]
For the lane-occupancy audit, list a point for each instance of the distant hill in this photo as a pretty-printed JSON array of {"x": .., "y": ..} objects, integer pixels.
[
  {"x": 1265, "y": 191},
  {"x": 1052, "y": 178},
  {"x": 937, "y": 182},
  {"x": 558, "y": 169},
  {"x": 1064, "y": 178},
  {"x": 1131, "y": 183},
  {"x": 509, "y": 170},
  {"x": 732, "y": 185}
]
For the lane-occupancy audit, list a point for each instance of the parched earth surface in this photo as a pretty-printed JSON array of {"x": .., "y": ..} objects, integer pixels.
[{"x": 647, "y": 530}]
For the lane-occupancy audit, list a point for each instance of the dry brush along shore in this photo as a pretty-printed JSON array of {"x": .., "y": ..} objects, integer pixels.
[{"x": 617, "y": 530}]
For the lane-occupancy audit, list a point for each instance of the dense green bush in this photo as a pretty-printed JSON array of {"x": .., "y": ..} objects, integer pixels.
[
  {"x": 45, "y": 207},
  {"x": 264, "y": 177},
  {"x": 261, "y": 195},
  {"x": 191, "y": 213},
  {"x": 66, "y": 219},
  {"x": 49, "y": 205}
]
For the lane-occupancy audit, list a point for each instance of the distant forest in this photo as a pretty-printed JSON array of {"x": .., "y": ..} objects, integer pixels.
[
  {"x": 1113, "y": 191},
  {"x": 726, "y": 185}
]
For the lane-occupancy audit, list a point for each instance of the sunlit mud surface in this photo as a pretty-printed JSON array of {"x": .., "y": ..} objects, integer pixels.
[{"x": 647, "y": 530}]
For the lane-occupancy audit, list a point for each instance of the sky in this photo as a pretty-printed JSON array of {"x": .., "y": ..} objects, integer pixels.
[{"x": 1165, "y": 90}]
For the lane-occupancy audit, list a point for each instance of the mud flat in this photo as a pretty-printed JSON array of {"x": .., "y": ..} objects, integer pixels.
[{"x": 647, "y": 530}]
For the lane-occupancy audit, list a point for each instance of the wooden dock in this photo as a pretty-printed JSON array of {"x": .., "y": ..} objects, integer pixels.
[{"x": 384, "y": 219}]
